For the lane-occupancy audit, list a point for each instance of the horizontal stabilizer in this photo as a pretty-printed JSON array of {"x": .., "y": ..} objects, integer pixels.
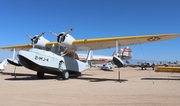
[{"x": 4, "y": 63}]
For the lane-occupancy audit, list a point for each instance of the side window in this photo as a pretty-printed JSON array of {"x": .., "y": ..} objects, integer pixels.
[{"x": 60, "y": 65}]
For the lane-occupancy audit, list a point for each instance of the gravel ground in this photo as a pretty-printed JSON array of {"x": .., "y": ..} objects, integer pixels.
[{"x": 95, "y": 87}]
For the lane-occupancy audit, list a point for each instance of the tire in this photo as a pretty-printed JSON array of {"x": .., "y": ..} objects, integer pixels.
[
  {"x": 65, "y": 75},
  {"x": 40, "y": 75}
]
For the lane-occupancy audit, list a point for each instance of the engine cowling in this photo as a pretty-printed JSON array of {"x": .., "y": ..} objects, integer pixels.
[
  {"x": 38, "y": 41},
  {"x": 66, "y": 40},
  {"x": 41, "y": 43}
]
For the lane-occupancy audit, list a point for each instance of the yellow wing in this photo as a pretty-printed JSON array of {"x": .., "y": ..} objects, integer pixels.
[
  {"x": 102, "y": 43},
  {"x": 17, "y": 47}
]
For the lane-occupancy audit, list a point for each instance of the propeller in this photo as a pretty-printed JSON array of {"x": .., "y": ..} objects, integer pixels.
[
  {"x": 61, "y": 37},
  {"x": 34, "y": 39}
]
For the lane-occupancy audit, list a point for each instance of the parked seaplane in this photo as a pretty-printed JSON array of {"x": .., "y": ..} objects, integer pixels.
[{"x": 60, "y": 57}]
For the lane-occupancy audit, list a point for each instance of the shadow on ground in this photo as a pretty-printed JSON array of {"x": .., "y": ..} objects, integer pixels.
[
  {"x": 169, "y": 78},
  {"x": 25, "y": 77},
  {"x": 101, "y": 79},
  {"x": 107, "y": 70}
]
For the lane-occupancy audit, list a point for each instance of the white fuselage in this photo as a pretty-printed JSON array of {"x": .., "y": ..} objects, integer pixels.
[
  {"x": 49, "y": 62},
  {"x": 96, "y": 59}
]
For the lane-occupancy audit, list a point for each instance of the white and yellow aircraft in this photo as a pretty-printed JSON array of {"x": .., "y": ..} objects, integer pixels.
[{"x": 60, "y": 57}]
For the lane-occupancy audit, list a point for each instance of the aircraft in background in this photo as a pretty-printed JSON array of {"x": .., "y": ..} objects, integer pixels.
[
  {"x": 3, "y": 64},
  {"x": 124, "y": 54},
  {"x": 107, "y": 66},
  {"x": 173, "y": 64},
  {"x": 60, "y": 57}
]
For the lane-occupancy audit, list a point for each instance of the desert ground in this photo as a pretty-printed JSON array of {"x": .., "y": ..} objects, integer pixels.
[{"x": 95, "y": 87}]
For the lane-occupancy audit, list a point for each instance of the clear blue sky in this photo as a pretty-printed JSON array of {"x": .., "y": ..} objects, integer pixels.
[{"x": 93, "y": 19}]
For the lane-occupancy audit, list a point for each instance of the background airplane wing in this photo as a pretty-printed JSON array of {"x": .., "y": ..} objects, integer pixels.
[
  {"x": 102, "y": 43},
  {"x": 17, "y": 47}
]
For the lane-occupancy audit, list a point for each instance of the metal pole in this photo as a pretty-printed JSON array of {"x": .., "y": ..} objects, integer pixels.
[
  {"x": 117, "y": 48},
  {"x": 119, "y": 75},
  {"x": 14, "y": 72}
]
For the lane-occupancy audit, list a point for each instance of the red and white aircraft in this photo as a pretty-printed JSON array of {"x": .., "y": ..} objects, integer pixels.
[{"x": 124, "y": 54}]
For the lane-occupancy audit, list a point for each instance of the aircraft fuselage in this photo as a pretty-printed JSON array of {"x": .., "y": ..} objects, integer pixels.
[{"x": 49, "y": 62}]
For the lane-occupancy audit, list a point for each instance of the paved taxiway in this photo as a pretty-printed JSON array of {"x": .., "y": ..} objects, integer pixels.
[{"x": 95, "y": 87}]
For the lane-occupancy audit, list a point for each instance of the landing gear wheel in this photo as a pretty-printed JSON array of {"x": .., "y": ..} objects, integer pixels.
[
  {"x": 40, "y": 75},
  {"x": 65, "y": 75}
]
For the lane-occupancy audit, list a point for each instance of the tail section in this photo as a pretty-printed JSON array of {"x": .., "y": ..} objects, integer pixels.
[
  {"x": 12, "y": 60},
  {"x": 3, "y": 64}
]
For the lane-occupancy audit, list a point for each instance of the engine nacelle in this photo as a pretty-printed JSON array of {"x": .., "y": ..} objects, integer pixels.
[
  {"x": 41, "y": 43},
  {"x": 66, "y": 41}
]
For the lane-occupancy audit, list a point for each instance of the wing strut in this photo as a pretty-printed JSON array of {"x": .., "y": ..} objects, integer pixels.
[
  {"x": 89, "y": 57},
  {"x": 117, "y": 45}
]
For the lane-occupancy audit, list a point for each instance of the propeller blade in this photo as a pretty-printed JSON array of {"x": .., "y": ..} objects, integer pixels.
[
  {"x": 69, "y": 31},
  {"x": 53, "y": 33},
  {"x": 29, "y": 36},
  {"x": 40, "y": 35}
]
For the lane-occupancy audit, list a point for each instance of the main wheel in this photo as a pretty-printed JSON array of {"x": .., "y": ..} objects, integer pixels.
[
  {"x": 65, "y": 75},
  {"x": 40, "y": 75}
]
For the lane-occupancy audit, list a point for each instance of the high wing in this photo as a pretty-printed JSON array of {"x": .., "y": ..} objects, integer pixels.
[
  {"x": 94, "y": 44},
  {"x": 17, "y": 47},
  {"x": 37, "y": 41},
  {"x": 102, "y": 43}
]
